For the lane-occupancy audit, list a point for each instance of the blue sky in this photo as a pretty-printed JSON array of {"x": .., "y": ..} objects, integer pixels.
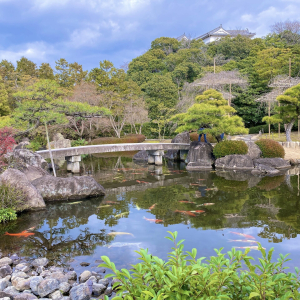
[{"x": 88, "y": 31}]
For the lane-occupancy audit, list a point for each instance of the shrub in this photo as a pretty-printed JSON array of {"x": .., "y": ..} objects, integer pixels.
[
  {"x": 134, "y": 138},
  {"x": 80, "y": 142},
  {"x": 194, "y": 137},
  {"x": 7, "y": 140},
  {"x": 230, "y": 147},
  {"x": 256, "y": 129},
  {"x": 11, "y": 201},
  {"x": 224, "y": 276},
  {"x": 270, "y": 148}
]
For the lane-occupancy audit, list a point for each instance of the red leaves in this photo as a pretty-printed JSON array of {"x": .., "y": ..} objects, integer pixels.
[{"x": 7, "y": 140}]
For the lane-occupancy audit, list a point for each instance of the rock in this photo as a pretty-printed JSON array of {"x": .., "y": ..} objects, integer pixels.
[
  {"x": 21, "y": 284},
  {"x": 253, "y": 150},
  {"x": 11, "y": 291},
  {"x": 5, "y": 298},
  {"x": 277, "y": 163},
  {"x": 200, "y": 156},
  {"x": 22, "y": 145},
  {"x": 30, "y": 158},
  {"x": 61, "y": 277},
  {"x": 84, "y": 264},
  {"x": 294, "y": 162},
  {"x": 235, "y": 162},
  {"x": 57, "y": 295},
  {"x": 14, "y": 257},
  {"x": 108, "y": 291},
  {"x": 40, "y": 262},
  {"x": 72, "y": 275},
  {"x": 47, "y": 287},
  {"x": 56, "y": 188},
  {"x": 104, "y": 281},
  {"x": 60, "y": 142},
  {"x": 23, "y": 267},
  {"x": 19, "y": 275},
  {"x": 98, "y": 289},
  {"x": 5, "y": 270},
  {"x": 102, "y": 270},
  {"x": 6, "y": 295},
  {"x": 40, "y": 270},
  {"x": 25, "y": 296},
  {"x": 46, "y": 273},
  {"x": 34, "y": 282},
  {"x": 141, "y": 156},
  {"x": 56, "y": 269},
  {"x": 64, "y": 287},
  {"x": 19, "y": 181},
  {"x": 80, "y": 292},
  {"x": 181, "y": 138},
  {"x": 264, "y": 169},
  {"x": 93, "y": 279},
  {"x": 33, "y": 172},
  {"x": 3, "y": 284},
  {"x": 5, "y": 260},
  {"x": 85, "y": 275}
]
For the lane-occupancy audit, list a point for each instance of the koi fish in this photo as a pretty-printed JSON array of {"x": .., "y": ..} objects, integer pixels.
[
  {"x": 31, "y": 228},
  {"x": 102, "y": 206},
  {"x": 119, "y": 233},
  {"x": 24, "y": 233},
  {"x": 151, "y": 207},
  {"x": 124, "y": 180},
  {"x": 189, "y": 213},
  {"x": 74, "y": 202},
  {"x": 206, "y": 204},
  {"x": 111, "y": 202},
  {"x": 244, "y": 235},
  {"x": 137, "y": 207},
  {"x": 186, "y": 201},
  {"x": 138, "y": 181},
  {"x": 122, "y": 214},
  {"x": 197, "y": 184},
  {"x": 154, "y": 220},
  {"x": 118, "y": 245},
  {"x": 243, "y": 241},
  {"x": 209, "y": 189},
  {"x": 198, "y": 211},
  {"x": 251, "y": 247}
]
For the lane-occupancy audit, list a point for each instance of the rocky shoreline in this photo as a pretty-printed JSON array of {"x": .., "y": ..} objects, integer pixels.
[{"x": 21, "y": 279}]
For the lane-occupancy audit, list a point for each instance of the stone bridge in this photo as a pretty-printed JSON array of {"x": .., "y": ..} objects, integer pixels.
[{"x": 73, "y": 154}]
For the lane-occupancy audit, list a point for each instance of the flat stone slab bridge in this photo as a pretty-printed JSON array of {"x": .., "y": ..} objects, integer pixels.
[{"x": 73, "y": 154}]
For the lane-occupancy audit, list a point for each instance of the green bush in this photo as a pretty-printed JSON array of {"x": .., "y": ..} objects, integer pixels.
[
  {"x": 228, "y": 275},
  {"x": 80, "y": 142},
  {"x": 130, "y": 138},
  {"x": 11, "y": 201},
  {"x": 270, "y": 148},
  {"x": 256, "y": 129},
  {"x": 230, "y": 147}
]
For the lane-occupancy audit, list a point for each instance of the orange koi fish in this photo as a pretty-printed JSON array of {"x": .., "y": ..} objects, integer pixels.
[
  {"x": 154, "y": 220},
  {"x": 24, "y": 233},
  {"x": 151, "y": 207},
  {"x": 186, "y": 201},
  {"x": 196, "y": 184},
  {"x": 244, "y": 235},
  {"x": 188, "y": 213},
  {"x": 198, "y": 211},
  {"x": 111, "y": 202},
  {"x": 250, "y": 247},
  {"x": 243, "y": 241},
  {"x": 138, "y": 181},
  {"x": 206, "y": 204}
]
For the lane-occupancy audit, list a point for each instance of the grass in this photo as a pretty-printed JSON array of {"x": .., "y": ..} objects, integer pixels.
[{"x": 274, "y": 136}]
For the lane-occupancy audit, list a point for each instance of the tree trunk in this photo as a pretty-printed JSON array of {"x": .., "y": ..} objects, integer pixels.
[
  {"x": 288, "y": 131},
  {"x": 51, "y": 158}
]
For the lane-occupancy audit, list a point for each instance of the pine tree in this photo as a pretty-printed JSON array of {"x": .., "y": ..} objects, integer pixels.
[{"x": 4, "y": 108}]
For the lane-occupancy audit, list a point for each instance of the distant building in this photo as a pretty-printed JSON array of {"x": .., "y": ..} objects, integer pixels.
[{"x": 218, "y": 33}]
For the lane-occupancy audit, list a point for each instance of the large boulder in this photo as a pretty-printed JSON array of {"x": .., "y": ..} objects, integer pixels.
[
  {"x": 235, "y": 162},
  {"x": 181, "y": 138},
  {"x": 200, "y": 156},
  {"x": 57, "y": 188},
  {"x": 276, "y": 163},
  {"x": 19, "y": 181},
  {"x": 33, "y": 172},
  {"x": 30, "y": 158},
  {"x": 60, "y": 142},
  {"x": 141, "y": 156},
  {"x": 253, "y": 150},
  {"x": 81, "y": 292}
]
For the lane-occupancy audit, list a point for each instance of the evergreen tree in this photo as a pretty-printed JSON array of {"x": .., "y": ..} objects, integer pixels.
[{"x": 4, "y": 108}]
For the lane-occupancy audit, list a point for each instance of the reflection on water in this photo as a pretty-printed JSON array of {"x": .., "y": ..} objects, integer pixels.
[{"x": 208, "y": 209}]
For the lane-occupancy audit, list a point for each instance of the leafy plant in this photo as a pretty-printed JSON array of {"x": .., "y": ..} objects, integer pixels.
[
  {"x": 7, "y": 140},
  {"x": 224, "y": 276},
  {"x": 79, "y": 142},
  {"x": 230, "y": 147},
  {"x": 7, "y": 214},
  {"x": 270, "y": 148}
]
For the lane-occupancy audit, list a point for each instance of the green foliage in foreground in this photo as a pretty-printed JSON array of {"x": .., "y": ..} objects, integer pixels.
[
  {"x": 11, "y": 201},
  {"x": 224, "y": 276},
  {"x": 230, "y": 147}
]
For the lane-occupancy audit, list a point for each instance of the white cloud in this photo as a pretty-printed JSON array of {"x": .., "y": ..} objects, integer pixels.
[{"x": 85, "y": 37}]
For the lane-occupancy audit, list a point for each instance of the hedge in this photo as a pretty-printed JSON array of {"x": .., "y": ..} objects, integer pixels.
[
  {"x": 230, "y": 147},
  {"x": 270, "y": 148},
  {"x": 194, "y": 137},
  {"x": 130, "y": 138}
]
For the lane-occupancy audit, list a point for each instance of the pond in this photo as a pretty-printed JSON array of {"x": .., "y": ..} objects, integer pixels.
[{"x": 208, "y": 209}]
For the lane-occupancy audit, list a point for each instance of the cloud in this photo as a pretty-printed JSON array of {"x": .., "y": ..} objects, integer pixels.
[{"x": 85, "y": 37}]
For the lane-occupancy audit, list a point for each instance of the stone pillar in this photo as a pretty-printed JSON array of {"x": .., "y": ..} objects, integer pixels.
[
  {"x": 73, "y": 163},
  {"x": 155, "y": 157}
]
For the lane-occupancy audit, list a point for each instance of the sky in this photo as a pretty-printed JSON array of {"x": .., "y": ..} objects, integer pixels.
[{"x": 89, "y": 31}]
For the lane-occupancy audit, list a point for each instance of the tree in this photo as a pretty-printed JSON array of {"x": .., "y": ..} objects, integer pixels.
[
  {"x": 288, "y": 111},
  {"x": 212, "y": 113},
  {"x": 26, "y": 67},
  {"x": 4, "y": 107},
  {"x": 45, "y": 72},
  {"x": 166, "y": 44}
]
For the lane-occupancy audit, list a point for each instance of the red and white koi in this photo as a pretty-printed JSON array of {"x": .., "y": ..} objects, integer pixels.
[{"x": 247, "y": 236}]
